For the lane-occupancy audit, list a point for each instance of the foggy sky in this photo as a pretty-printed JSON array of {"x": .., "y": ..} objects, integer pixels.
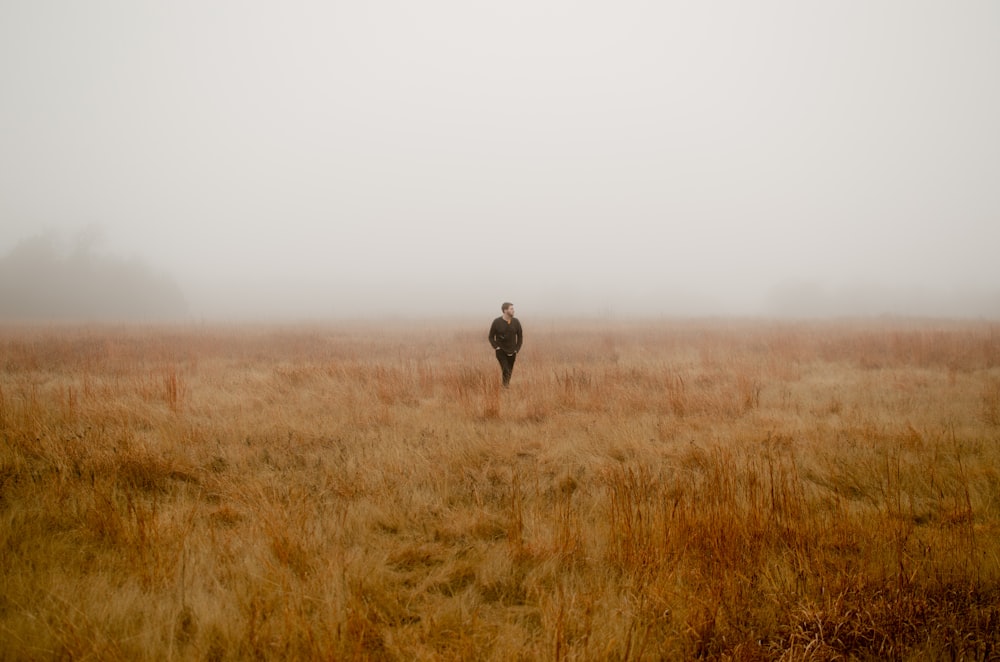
[{"x": 422, "y": 158}]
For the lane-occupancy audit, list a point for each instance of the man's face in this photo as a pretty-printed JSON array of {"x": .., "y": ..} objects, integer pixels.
[{"x": 509, "y": 312}]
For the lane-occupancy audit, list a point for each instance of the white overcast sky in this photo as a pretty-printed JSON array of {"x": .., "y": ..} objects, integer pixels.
[{"x": 432, "y": 157}]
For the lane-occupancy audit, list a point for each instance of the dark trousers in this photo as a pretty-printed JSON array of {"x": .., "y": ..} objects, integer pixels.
[{"x": 506, "y": 365}]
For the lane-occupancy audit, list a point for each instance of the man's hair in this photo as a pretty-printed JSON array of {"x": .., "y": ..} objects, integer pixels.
[{"x": 505, "y": 306}]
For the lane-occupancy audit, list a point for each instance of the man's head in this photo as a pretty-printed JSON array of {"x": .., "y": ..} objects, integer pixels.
[{"x": 507, "y": 309}]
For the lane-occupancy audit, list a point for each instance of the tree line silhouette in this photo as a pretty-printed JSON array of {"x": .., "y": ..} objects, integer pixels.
[{"x": 40, "y": 281}]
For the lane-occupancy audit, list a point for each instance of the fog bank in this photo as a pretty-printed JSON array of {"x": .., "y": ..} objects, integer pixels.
[{"x": 311, "y": 159}]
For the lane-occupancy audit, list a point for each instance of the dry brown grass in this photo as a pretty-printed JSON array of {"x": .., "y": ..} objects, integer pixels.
[{"x": 722, "y": 489}]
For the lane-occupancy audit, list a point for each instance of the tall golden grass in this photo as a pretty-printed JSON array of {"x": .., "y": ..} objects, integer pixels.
[{"x": 724, "y": 489}]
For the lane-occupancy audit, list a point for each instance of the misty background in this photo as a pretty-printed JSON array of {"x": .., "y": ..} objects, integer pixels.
[{"x": 265, "y": 160}]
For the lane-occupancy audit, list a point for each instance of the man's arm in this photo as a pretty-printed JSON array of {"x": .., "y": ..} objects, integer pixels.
[
  {"x": 492, "y": 336},
  {"x": 520, "y": 337}
]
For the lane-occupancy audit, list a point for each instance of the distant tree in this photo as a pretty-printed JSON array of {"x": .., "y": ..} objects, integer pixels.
[{"x": 40, "y": 281}]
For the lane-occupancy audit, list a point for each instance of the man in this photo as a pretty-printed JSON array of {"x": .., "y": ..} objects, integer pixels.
[{"x": 506, "y": 337}]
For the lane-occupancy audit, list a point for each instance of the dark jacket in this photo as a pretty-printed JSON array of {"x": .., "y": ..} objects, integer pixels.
[{"x": 507, "y": 337}]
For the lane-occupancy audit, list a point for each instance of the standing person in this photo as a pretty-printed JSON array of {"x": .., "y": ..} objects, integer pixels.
[{"x": 506, "y": 337}]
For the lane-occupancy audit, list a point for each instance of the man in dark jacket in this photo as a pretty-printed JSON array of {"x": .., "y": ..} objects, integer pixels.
[{"x": 506, "y": 337}]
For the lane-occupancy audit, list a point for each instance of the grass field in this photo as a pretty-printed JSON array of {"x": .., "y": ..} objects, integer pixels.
[{"x": 730, "y": 489}]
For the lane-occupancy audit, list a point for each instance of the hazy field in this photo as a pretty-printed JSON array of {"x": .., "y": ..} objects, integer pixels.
[{"x": 728, "y": 489}]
